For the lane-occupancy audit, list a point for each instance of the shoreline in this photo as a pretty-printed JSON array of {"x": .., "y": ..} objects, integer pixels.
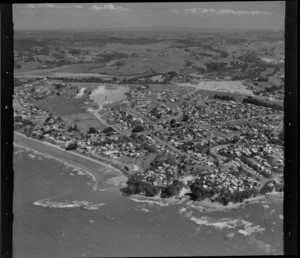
[
  {"x": 204, "y": 206},
  {"x": 73, "y": 152},
  {"x": 74, "y": 159},
  {"x": 121, "y": 178}
]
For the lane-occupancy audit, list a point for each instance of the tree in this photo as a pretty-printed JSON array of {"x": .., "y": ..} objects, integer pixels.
[
  {"x": 138, "y": 129},
  {"x": 108, "y": 131},
  {"x": 135, "y": 185},
  {"x": 185, "y": 118},
  {"x": 18, "y": 119},
  {"x": 224, "y": 97},
  {"x": 59, "y": 119},
  {"x": 72, "y": 128},
  {"x": 27, "y": 122},
  {"x": 281, "y": 136},
  {"x": 150, "y": 190},
  {"x": 92, "y": 130},
  {"x": 28, "y": 130},
  {"x": 188, "y": 63},
  {"x": 173, "y": 121},
  {"x": 71, "y": 146},
  {"x": 169, "y": 191},
  {"x": 149, "y": 147}
]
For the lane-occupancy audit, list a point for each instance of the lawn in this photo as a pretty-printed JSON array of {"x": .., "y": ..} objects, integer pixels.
[
  {"x": 220, "y": 86},
  {"x": 60, "y": 105}
]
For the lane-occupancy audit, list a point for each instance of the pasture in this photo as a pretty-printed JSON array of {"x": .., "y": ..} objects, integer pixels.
[
  {"x": 60, "y": 105},
  {"x": 70, "y": 110},
  {"x": 220, "y": 86}
]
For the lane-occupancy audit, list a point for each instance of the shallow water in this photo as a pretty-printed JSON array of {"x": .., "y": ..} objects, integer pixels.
[{"x": 58, "y": 214}]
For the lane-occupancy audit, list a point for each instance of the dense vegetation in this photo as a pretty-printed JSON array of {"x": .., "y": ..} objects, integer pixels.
[
  {"x": 172, "y": 189},
  {"x": 109, "y": 131},
  {"x": 138, "y": 129},
  {"x": 258, "y": 102},
  {"x": 223, "y": 196},
  {"x": 135, "y": 185},
  {"x": 92, "y": 130},
  {"x": 19, "y": 119},
  {"x": 224, "y": 97}
]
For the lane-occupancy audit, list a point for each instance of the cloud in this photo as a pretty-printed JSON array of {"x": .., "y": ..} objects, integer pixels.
[
  {"x": 33, "y": 6},
  {"x": 242, "y": 12},
  {"x": 219, "y": 12},
  {"x": 110, "y": 7},
  {"x": 59, "y": 6},
  {"x": 174, "y": 10}
]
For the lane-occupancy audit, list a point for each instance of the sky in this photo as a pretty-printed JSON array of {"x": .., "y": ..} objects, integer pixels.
[{"x": 239, "y": 15}]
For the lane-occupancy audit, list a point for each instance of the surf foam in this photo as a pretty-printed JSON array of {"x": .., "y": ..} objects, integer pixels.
[
  {"x": 68, "y": 204},
  {"x": 79, "y": 170}
]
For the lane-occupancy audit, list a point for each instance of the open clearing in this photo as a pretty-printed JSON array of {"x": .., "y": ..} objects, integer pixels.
[
  {"x": 220, "y": 86},
  {"x": 60, "y": 105},
  {"x": 72, "y": 111},
  {"x": 76, "y": 70}
]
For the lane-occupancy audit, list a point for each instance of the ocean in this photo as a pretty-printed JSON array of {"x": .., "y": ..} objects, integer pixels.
[{"x": 59, "y": 213}]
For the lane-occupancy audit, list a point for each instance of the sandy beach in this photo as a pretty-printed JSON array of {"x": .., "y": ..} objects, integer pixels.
[{"x": 101, "y": 171}]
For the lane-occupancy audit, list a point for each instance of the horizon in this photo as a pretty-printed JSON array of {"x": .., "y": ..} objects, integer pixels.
[
  {"x": 150, "y": 28},
  {"x": 194, "y": 15}
]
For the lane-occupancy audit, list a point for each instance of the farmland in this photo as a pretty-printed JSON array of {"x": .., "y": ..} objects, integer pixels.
[{"x": 220, "y": 86}]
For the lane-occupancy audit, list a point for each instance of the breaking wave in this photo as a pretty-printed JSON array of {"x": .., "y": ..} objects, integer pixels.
[
  {"x": 68, "y": 204},
  {"x": 156, "y": 200},
  {"x": 79, "y": 171},
  {"x": 243, "y": 227},
  {"x": 208, "y": 206}
]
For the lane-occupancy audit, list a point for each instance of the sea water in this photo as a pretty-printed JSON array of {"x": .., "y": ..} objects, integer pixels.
[{"x": 58, "y": 213}]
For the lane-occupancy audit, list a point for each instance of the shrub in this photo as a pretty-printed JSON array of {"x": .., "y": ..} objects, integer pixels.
[
  {"x": 71, "y": 146},
  {"x": 18, "y": 119},
  {"x": 72, "y": 128},
  {"x": 257, "y": 102},
  {"x": 224, "y": 97},
  {"x": 185, "y": 118},
  {"x": 138, "y": 129},
  {"x": 169, "y": 191},
  {"x": 267, "y": 188},
  {"x": 108, "y": 131},
  {"x": 92, "y": 130},
  {"x": 136, "y": 186},
  {"x": 150, "y": 190},
  {"x": 26, "y": 122}
]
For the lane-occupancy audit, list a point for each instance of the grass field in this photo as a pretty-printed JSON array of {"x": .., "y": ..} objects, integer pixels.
[
  {"x": 84, "y": 125},
  {"x": 84, "y": 121},
  {"x": 211, "y": 93},
  {"x": 63, "y": 71},
  {"x": 220, "y": 86},
  {"x": 70, "y": 110},
  {"x": 60, "y": 105}
]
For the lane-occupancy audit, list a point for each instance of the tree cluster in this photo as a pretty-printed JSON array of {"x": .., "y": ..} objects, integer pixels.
[
  {"x": 258, "y": 102},
  {"x": 138, "y": 129},
  {"x": 172, "y": 189},
  {"x": 135, "y": 185},
  {"x": 224, "y": 97},
  {"x": 223, "y": 196}
]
